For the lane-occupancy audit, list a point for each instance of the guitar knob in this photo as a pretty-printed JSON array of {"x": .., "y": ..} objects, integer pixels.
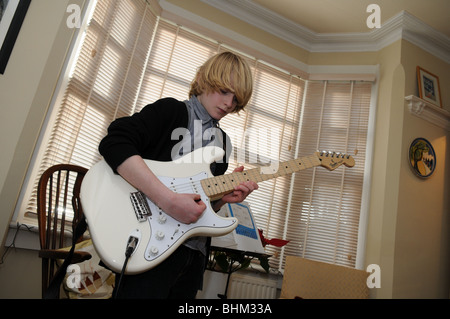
[
  {"x": 159, "y": 235},
  {"x": 162, "y": 219},
  {"x": 154, "y": 251}
]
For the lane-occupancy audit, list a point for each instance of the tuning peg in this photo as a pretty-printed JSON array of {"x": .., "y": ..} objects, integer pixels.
[{"x": 334, "y": 154}]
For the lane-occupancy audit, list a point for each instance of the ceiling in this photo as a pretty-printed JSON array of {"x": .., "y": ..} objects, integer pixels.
[{"x": 347, "y": 16}]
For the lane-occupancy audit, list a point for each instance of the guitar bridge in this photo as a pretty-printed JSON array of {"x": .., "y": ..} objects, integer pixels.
[{"x": 140, "y": 206}]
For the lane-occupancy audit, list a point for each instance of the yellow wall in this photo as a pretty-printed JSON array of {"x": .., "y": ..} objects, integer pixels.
[
  {"x": 422, "y": 249},
  {"x": 382, "y": 212},
  {"x": 26, "y": 90},
  {"x": 407, "y": 235},
  {"x": 22, "y": 110}
]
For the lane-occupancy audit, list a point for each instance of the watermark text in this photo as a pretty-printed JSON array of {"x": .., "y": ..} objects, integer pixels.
[
  {"x": 374, "y": 19},
  {"x": 74, "y": 18}
]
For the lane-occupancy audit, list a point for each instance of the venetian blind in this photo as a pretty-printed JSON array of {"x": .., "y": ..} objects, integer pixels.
[
  {"x": 130, "y": 58},
  {"x": 103, "y": 85},
  {"x": 324, "y": 207}
]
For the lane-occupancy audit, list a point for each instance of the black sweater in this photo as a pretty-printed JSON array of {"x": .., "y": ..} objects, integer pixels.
[{"x": 148, "y": 134}]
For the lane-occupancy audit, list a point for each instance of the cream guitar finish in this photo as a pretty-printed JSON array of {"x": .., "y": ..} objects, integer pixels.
[{"x": 116, "y": 212}]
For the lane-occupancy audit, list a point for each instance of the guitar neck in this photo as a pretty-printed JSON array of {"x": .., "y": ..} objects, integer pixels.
[{"x": 216, "y": 187}]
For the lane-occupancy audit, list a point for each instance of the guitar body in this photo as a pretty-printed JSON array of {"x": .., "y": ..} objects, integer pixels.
[{"x": 115, "y": 212}]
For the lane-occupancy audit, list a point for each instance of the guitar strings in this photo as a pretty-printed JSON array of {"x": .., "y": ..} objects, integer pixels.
[
  {"x": 287, "y": 167},
  {"x": 193, "y": 186},
  {"x": 186, "y": 187}
]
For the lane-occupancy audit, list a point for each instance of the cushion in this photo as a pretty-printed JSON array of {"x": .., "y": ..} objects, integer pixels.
[{"x": 88, "y": 280}]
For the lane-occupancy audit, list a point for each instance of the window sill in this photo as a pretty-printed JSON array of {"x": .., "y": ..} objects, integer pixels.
[
  {"x": 26, "y": 236},
  {"x": 23, "y": 236}
]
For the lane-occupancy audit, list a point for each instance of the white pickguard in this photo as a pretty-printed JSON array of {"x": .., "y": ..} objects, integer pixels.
[
  {"x": 167, "y": 231},
  {"x": 112, "y": 219}
]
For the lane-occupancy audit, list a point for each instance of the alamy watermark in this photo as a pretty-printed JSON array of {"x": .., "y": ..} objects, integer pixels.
[
  {"x": 374, "y": 278},
  {"x": 254, "y": 145},
  {"x": 73, "y": 280},
  {"x": 373, "y": 20},
  {"x": 74, "y": 18}
]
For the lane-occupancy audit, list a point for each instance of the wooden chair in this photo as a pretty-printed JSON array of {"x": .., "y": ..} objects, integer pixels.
[{"x": 58, "y": 208}]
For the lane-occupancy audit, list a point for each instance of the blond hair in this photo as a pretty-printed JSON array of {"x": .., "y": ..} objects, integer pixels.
[{"x": 225, "y": 72}]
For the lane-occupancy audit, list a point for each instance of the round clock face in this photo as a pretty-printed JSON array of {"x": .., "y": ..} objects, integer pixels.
[{"x": 422, "y": 157}]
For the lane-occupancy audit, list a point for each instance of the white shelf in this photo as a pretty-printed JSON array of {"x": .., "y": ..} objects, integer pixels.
[{"x": 428, "y": 112}]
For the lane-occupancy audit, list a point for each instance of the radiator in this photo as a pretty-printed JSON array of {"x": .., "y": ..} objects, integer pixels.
[{"x": 251, "y": 287}]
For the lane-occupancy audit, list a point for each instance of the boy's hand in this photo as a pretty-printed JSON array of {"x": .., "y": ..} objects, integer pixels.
[
  {"x": 241, "y": 191},
  {"x": 186, "y": 208},
  {"x": 239, "y": 194}
]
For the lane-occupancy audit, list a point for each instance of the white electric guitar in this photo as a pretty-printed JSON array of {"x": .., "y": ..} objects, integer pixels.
[{"x": 116, "y": 212}]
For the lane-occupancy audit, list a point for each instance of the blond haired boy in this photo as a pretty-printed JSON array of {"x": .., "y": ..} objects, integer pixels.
[{"x": 222, "y": 85}]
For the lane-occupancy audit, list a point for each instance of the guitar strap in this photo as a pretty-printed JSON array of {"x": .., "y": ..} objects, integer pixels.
[{"x": 53, "y": 289}]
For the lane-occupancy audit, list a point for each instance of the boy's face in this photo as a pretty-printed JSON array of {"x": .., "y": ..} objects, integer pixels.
[{"x": 218, "y": 104}]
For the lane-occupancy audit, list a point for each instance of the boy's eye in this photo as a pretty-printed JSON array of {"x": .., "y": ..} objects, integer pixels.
[{"x": 224, "y": 92}]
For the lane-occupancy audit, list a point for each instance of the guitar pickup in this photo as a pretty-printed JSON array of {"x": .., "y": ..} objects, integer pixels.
[{"x": 140, "y": 206}]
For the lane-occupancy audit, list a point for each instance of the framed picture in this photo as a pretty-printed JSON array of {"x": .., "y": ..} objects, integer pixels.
[
  {"x": 12, "y": 14},
  {"x": 429, "y": 89}
]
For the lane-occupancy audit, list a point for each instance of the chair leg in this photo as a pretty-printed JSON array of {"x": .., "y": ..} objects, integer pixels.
[
  {"x": 44, "y": 275},
  {"x": 48, "y": 271}
]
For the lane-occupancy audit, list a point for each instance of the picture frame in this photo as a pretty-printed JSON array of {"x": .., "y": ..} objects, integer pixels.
[
  {"x": 429, "y": 88},
  {"x": 12, "y": 15}
]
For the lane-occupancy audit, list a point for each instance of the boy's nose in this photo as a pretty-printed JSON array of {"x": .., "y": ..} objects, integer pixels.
[{"x": 229, "y": 100}]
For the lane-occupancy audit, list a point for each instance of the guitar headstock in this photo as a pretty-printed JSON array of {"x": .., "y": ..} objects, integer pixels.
[{"x": 332, "y": 160}]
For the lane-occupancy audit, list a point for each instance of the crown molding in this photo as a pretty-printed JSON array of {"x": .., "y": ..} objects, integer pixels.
[
  {"x": 402, "y": 26},
  {"x": 428, "y": 112}
]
